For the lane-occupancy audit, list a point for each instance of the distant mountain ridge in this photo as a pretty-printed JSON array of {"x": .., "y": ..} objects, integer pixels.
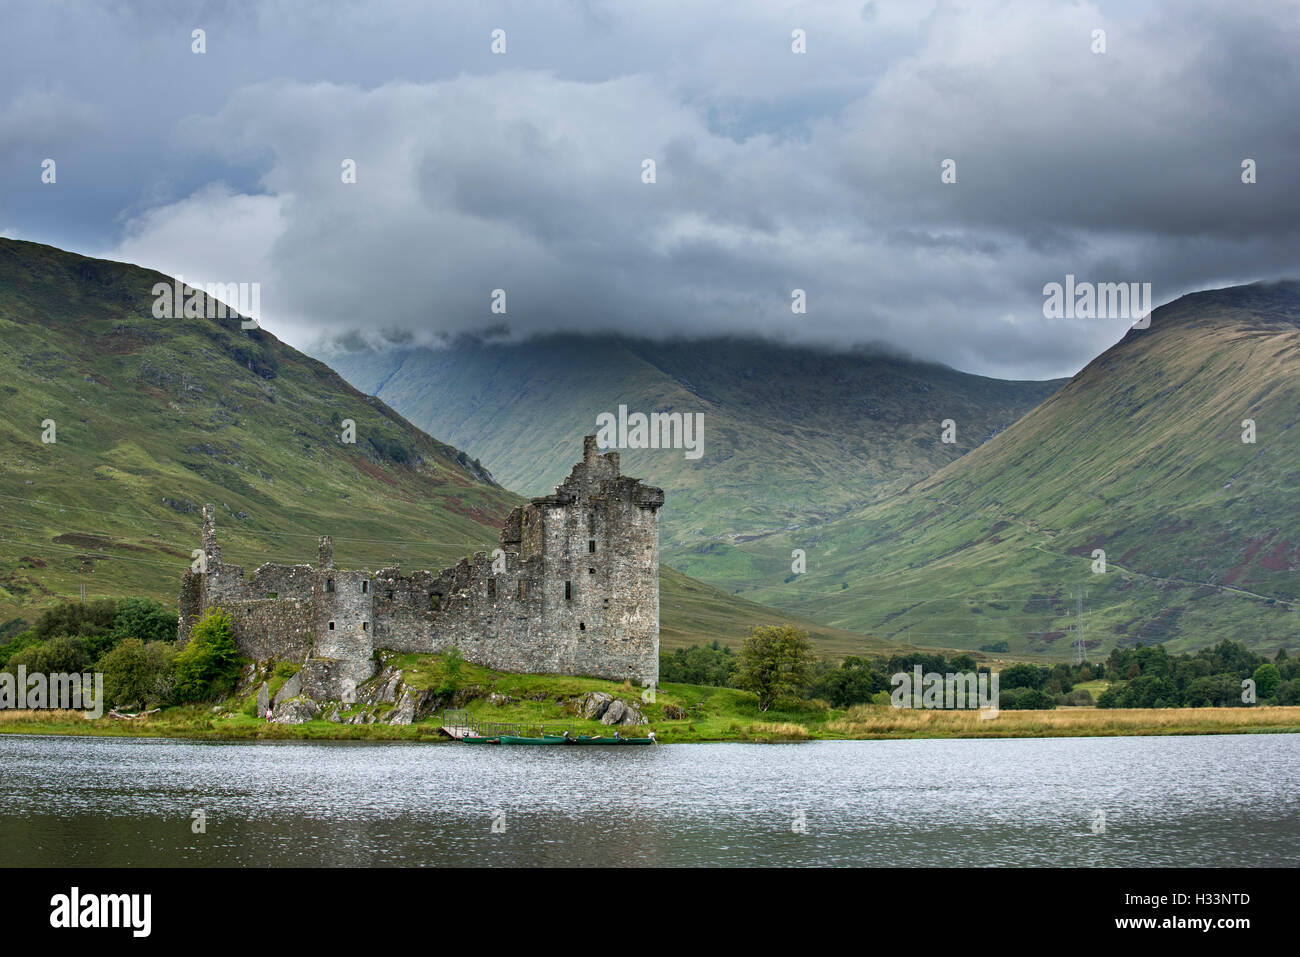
[{"x": 793, "y": 436}]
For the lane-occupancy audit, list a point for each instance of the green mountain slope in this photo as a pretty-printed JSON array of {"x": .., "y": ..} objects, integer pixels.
[
  {"x": 793, "y": 437},
  {"x": 153, "y": 417},
  {"x": 1140, "y": 455}
]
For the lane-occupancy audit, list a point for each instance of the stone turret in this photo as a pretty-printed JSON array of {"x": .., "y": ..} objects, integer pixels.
[{"x": 211, "y": 550}]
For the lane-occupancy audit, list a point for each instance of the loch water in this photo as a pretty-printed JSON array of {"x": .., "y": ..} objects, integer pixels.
[{"x": 1212, "y": 800}]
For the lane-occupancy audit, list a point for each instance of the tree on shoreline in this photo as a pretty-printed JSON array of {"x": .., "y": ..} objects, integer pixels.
[
  {"x": 776, "y": 660},
  {"x": 209, "y": 664}
]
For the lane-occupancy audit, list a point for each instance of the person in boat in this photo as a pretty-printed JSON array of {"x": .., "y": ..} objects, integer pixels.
[
  {"x": 651, "y": 736},
  {"x": 617, "y": 735},
  {"x": 569, "y": 738}
]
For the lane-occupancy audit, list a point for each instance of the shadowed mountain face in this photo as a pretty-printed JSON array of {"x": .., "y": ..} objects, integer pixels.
[
  {"x": 149, "y": 418},
  {"x": 792, "y": 437},
  {"x": 1141, "y": 456}
]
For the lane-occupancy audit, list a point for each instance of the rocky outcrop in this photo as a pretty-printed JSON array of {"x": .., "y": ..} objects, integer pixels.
[
  {"x": 593, "y": 705},
  {"x": 410, "y": 704},
  {"x": 295, "y": 711},
  {"x": 614, "y": 713},
  {"x": 415, "y": 705},
  {"x": 388, "y": 699},
  {"x": 622, "y": 713},
  {"x": 290, "y": 689},
  {"x": 605, "y": 708},
  {"x": 384, "y": 688}
]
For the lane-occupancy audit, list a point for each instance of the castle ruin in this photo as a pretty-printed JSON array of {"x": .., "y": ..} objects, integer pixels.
[{"x": 573, "y": 589}]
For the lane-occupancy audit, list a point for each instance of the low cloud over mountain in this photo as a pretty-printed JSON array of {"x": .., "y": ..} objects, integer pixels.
[{"x": 775, "y": 170}]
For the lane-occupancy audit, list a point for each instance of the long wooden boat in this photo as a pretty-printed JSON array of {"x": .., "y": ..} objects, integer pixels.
[
  {"x": 559, "y": 739},
  {"x": 475, "y": 739}
]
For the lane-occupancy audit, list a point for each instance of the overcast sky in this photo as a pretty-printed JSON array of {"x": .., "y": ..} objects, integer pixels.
[{"x": 775, "y": 170}]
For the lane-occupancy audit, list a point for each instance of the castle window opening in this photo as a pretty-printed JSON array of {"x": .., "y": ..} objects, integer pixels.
[
  {"x": 329, "y": 584},
  {"x": 492, "y": 588},
  {"x": 568, "y": 591},
  {"x": 365, "y": 586},
  {"x": 331, "y": 626},
  {"x": 365, "y": 626},
  {"x": 582, "y": 626},
  {"x": 591, "y": 571},
  {"x": 591, "y": 545}
]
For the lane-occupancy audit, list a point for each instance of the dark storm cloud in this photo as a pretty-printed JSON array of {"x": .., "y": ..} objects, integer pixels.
[{"x": 775, "y": 171}]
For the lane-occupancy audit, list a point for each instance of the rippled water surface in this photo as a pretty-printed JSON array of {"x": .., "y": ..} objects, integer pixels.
[{"x": 1209, "y": 800}]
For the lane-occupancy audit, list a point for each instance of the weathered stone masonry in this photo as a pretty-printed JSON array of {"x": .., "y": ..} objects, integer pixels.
[{"x": 573, "y": 589}]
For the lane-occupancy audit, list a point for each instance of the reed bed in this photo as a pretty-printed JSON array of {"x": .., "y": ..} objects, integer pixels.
[
  {"x": 779, "y": 730},
  {"x": 876, "y": 721},
  {"x": 28, "y": 716}
]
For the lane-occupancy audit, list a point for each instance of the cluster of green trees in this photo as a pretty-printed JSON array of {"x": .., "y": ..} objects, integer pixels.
[
  {"x": 712, "y": 664},
  {"x": 779, "y": 662},
  {"x": 1021, "y": 687},
  {"x": 132, "y": 642},
  {"x": 1150, "y": 677}
]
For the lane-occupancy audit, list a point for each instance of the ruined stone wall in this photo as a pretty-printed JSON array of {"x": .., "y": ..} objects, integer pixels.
[
  {"x": 580, "y": 590},
  {"x": 281, "y": 581},
  {"x": 575, "y": 592},
  {"x": 271, "y": 628},
  {"x": 403, "y": 607}
]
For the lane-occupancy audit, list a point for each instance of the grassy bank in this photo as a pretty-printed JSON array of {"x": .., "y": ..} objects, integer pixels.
[
  {"x": 678, "y": 713},
  {"x": 863, "y": 723}
]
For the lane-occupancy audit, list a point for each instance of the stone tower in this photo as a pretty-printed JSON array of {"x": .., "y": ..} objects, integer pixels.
[{"x": 594, "y": 551}]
